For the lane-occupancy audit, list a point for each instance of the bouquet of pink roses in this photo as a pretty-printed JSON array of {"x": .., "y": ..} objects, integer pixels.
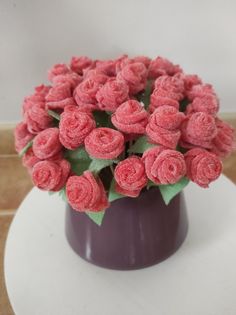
[{"x": 107, "y": 129}]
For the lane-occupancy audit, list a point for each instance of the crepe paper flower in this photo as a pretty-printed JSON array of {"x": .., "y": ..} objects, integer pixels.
[
  {"x": 163, "y": 125},
  {"x": 96, "y": 75},
  {"x": 78, "y": 64},
  {"x": 49, "y": 175},
  {"x": 130, "y": 117},
  {"x": 164, "y": 166},
  {"x": 59, "y": 96},
  {"x": 22, "y": 136},
  {"x": 108, "y": 67},
  {"x": 171, "y": 87},
  {"x": 104, "y": 143},
  {"x": 199, "y": 129},
  {"x": 73, "y": 79},
  {"x": 37, "y": 119},
  {"x": 130, "y": 176},
  {"x": 190, "y": 80},
  {"x": 135, "y": 75},
  {"x": 112, "y": 94},
  {"x": 86, "y": 193},
  {"x": 156, "y": 100},
  {"x": 224, "y": 142},
  {"x": 207, "y": 103},
  {"x": 85, "y": 93},
  {"x": 30, "y": 159},
  {"x": 200, "y": 90},
  {"x": 34, "y": 100},
  {"x": 161, "y": 66},
  {"x": 203, "y": 167},
  {"x": 143, "y": 59},
  {"x": 74, "y": 126},
  {"x": 57, "y": 69},
  {"x": 42, "y": 90},
  {"x": 46, "y": 144}
]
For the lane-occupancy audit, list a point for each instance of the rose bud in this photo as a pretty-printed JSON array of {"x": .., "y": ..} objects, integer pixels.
[
  {"x": 130, "y": 176},
  {"x": 130, "y": 117},
  {"x": 85, "y": 93},
  {"x": 224, "y": 142},
  {"x": 112, "y": 94},
  {"x": 161, "y": 66},
  {"x": 30, "y": 159},
  {"x": 200, "y": 90},
  {"x": 203, "y": 167},
  {"x": 78, "y": 64},
  {"x": 104, "y": 143},
  {"x": 74, "y": 126},
  {"x": 163, "y": 125},
  {"x": 171, "y": 87},
  {"x": 22, "y": 136},
  {"x": 156, "y": 100},
  {"x": 59, "y": 96},
  {"x": 207, "y": 103},
  {"x": 108, "y": 67},
  {"x": 34, "y": 100},
  {"x": 57, "y": 69},
  {"x": 135, "y": 76},
  {"x": 73, "y": 79},
  {"x": 190, "y": 80},
  {"x": 86, "y": 193},
  {"x": 42, "y": 90},
  {"x": 37, "y": 119},
  {"x": 199, "y": 129},
  {"x": 49, "y": 175},
  {"x": 46, "y": 144},
  {"x": 164, "y": 166}
]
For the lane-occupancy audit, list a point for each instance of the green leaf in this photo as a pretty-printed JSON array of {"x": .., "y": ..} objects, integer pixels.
[
  {"x": 78, "y": 154},
  {"x": 79, "y": 166},
  {"x": 183, "y": 104},
  {"x": 145, "y": 97},
  {"x": 62, "y": 194},
  {"x": 52, "y": 192},
  {"x": 140, "y": 146},
  {"x": 97, "y": 165},
  {"x": 54, "y": 114},
  {"x": 168, "y": 192},
  {"x": 102, "y": 118},
  {"x": 26, "y": 148},
  {"x": 113, "y": 195},
  {"x": 97, "y": 217}
]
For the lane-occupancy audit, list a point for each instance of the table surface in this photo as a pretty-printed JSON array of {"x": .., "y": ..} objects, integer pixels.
[{"x": 45, "y": 277}]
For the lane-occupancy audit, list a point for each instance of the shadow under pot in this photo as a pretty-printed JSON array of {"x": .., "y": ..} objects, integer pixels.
[{"x": 135, "y": 233}]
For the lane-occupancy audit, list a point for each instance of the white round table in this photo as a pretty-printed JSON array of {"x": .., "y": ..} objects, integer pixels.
[{"x": 45, "y": 277}]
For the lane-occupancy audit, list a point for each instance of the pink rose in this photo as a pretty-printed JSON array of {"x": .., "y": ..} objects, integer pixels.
[
  {"x": 199, "y": 129},
  {"x": 190, "y": 80},
  {"x": 164, "y": 166},
  {"x": 73, "y": 79},
  {"x": 86, "y": 193},
  {"x": 46, "y": 144},
  {"x": 200, "y": 90},
  {"x": 224, "y": 142},
  {"x": 108, "y": 67},
  {"x": 78, "y": 64},
  {"x": 42, "y": 90},
  {"x": 104, "y": 143},
  {"x": 161, "y": 66},
  {"x": 85, "y": 93},
  {"x": 130, "y": 176},
  {"x": 203, "y": 167},
  {"x": 135, "y": 75},
  {"x": 30, "y": 159},
  {"x": 157, "y": 100},
  {"x": 59, "y": 96},
  {"x": 171, "y": 87},
  {"x": 37, "y": 119},
  {"x": 125, "y": 60},
  {"x": 130, "y": 117},
  {"x": 48, "y": 175},
  {"x": 163, "y": 125},
  {"x": 112, "y": 94},
  {"x": 22, "y": 136},
  {"x": 57, "y": 69},
  {"x": 207, "y": 103},
  {"x": 96, "y": 75},
  {"x": 143, "y": 59},
  {"x": 74, "y": 126},
  {"x": 34, "y": 100}
]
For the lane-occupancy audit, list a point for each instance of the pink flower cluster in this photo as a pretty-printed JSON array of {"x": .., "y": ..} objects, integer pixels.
[{"x": 178, "y": 120}]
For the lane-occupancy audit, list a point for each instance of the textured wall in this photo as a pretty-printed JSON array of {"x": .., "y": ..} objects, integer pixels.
[{"x": 200, "y": 35}]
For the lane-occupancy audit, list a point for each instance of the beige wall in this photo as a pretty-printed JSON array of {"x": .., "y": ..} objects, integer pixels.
[{"x": 200, "y": 35}]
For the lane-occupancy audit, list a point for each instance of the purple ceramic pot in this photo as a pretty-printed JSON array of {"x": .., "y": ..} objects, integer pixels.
[{"x": 135, "y": 233}]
